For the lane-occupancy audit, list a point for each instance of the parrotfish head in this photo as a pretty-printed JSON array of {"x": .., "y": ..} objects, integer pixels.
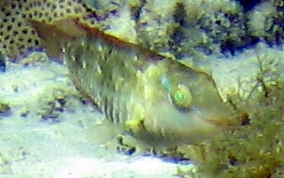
[{"x": 182, "y": 105}]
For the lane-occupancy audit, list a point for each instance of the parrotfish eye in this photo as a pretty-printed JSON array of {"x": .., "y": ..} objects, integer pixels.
[{"x": 181, "y": 96}]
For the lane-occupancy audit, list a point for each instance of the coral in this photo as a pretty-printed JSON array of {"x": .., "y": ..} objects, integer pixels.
[
  {"x": 17, "y": 36},
  {"x": 155, "y": 25},
  {"x": 224, "y": 28},
  {"x": 266, "y": 22},
  {"x": 179, "y": 28},
  {"x": 17, "y": 33},
  {"x": 51, "y": 11},
  {"x": 116, "y": 18},
  {"x": 185, "y": 27}
]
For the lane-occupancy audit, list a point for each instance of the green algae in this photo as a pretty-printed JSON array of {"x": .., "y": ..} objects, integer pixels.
[{"x": 253, "y": 146}]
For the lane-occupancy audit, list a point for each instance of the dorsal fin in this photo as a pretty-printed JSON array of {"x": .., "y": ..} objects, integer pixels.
[
  {"x": 55, "y": 36},
  {"x": 118, "y": 43}
]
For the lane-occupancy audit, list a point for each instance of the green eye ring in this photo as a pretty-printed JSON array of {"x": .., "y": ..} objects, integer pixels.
[{"x": 181, "y": 96}]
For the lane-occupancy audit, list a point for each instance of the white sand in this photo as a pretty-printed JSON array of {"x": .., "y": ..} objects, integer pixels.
[{"x": 59, "y": 147}]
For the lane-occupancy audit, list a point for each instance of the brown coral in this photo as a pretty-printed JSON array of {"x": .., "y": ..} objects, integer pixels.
[{"x": 17, "y": 36}]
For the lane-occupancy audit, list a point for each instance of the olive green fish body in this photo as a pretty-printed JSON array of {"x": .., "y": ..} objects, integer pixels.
[
  {"x": 104, "y": 75},
  {"x": 156, "y": 98}
]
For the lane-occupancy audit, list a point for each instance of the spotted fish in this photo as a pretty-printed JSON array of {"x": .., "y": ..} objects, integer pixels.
[{"x": 153, "y": 97}]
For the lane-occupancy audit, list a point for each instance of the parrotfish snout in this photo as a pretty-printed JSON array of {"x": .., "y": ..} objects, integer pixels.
[{"x": 182, "y": 105}]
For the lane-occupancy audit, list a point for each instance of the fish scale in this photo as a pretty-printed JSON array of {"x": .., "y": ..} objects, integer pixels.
[{"x": 105, "y": 91}]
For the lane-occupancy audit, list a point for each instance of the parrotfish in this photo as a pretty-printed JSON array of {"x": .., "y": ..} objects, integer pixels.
[{"x": 155, "y": 98}]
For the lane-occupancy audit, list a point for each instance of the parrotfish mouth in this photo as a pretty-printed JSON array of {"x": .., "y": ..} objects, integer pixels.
[{"x": 169, "y": 127}]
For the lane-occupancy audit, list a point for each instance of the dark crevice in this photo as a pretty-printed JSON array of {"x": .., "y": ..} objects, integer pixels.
[
  {"x": 249, "y": 4},
  {"x": 136, "y": 12}
]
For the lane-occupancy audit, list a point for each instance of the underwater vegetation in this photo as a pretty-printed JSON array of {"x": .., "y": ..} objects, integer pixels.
[{"x": 252, "y": 146}]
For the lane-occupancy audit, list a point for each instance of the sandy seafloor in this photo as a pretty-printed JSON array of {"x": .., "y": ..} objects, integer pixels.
[{"x": 59, "y": 145}]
